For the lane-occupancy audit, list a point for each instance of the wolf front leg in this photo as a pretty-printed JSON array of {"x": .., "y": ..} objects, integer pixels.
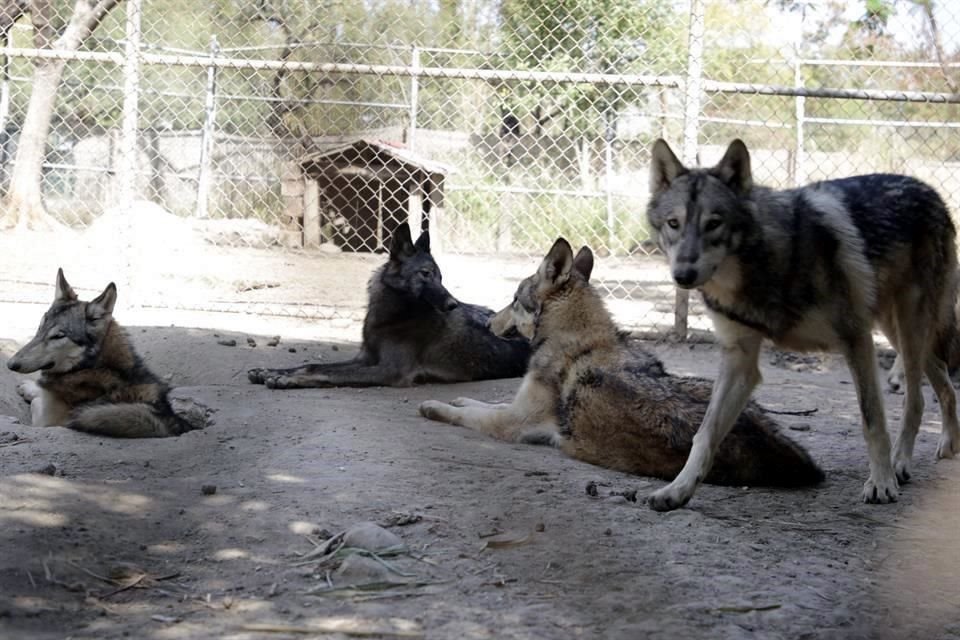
[
  {"x": 46, "y": 410},
  {"x": 530, "y": 415},
  {"x": 739, "y": 375}
]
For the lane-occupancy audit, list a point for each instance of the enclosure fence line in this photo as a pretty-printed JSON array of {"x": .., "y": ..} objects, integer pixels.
[{"x": 692, "y": 85}]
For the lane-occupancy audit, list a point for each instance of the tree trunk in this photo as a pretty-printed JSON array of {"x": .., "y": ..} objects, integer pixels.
[{"x": 23, "y": 204}]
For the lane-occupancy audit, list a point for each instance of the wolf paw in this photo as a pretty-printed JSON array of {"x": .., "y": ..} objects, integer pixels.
[
  {"x": 434, "y": 410},
  {"x": 949, "y": 445},
  {"x": 668, "y": 498},
  {"x": 257, "y": 376},
  {"x": 895, "y": 382},
  {"x": 901, "y": 466},
  {"x": 28, "y": 390},
  {"x": 276, "y": 381},
  {"x": 882, "y": 491}
]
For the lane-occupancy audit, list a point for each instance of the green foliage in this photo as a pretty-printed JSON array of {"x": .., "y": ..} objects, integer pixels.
[{"x": 588, "y": 36}]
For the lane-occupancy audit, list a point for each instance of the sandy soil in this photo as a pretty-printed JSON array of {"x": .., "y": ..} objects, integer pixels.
[{"x": 109, "y": 539}]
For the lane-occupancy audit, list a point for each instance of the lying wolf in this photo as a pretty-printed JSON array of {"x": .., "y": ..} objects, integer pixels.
[
  {"x": 813, "y": 268},
  {"x": 414, "y": 331},
  {"x": 91, "y": 379},
  {"x": 610, "y": 404}
]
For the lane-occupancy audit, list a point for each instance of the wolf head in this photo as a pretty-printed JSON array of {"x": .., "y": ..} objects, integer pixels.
[
  {"x": 699, "y": 215},
  {"x": 412, "y": 271},
  {"x": 70, "y": 334},
  {"x": 555, "y": 272}
]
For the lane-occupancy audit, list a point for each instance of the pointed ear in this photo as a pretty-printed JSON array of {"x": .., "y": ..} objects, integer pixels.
[
  {"x": 103, "y": 304},
  {"x": 664, "y": 167},
  {"x": 583, "y": 262},
  {"x": 734, "y": 167},
  {"x": 558, "y": 262},
  {"x": 401, "y": 246},
  {"x": 423, "y": 242},
  {"x": 63, "y": 291}
]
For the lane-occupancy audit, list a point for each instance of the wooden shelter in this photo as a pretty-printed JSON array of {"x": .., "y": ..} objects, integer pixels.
[{"x": 354, "y": 195}]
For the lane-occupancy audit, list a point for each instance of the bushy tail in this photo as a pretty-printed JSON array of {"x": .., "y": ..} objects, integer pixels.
[
  {"x": 129, "y": 420},
  {"x": 757, "y": 453}
]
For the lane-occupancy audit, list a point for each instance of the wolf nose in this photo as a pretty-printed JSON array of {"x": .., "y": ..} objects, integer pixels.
[
  {"x": 13, "y": 365},
  {"x": 685, "y": 276},
  {"x": 450, "y": 304}
]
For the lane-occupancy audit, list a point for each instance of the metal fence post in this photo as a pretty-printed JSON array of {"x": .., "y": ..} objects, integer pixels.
[
  {"x": 414, "y": 96},
  {"x": 127, "y": 171},
  {"x": 609, "y": 133},
  {"x": 799, "y": 173},
  {"x": 206, "y": 135},
  {"x": 692, "y": 96}
]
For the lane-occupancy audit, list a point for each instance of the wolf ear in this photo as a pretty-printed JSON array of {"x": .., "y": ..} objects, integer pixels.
[
  {"x": 583, "y": 262},
  {"x": 103, "y": 304},
  {"x": 557, "y": 264},
  {"x": 401, "y": 245},
  {"x": 664, "y": 167},
  {"x": 734, "y": 167},
  {"x": 423, "y": 242},
  {"x": 63, "y": 291}
]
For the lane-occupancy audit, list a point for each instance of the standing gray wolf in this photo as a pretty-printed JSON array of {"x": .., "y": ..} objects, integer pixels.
[
  {"x": 608, "y": 403},
  {"x": 414, "y": 331},
  {"x": 91, "y": 379},
  {"x": 812, "y": 268}
]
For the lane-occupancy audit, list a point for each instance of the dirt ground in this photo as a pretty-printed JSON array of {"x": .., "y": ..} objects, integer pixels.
[{"x": 107, "y": 539}]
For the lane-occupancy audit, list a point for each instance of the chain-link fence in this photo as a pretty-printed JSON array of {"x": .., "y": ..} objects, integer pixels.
[{"x": 234, "y": 156}]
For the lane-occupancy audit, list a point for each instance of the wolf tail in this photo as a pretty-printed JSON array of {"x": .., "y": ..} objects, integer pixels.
[
  {"x": 757, "y": 453},
  {"x": 129, "y": 420}
]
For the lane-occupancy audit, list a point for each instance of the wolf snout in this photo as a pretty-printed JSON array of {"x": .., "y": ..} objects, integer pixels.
[
  {"x": 14, "y": 365},
  {"x": 685, "y": 276},
  {"x": 450, "y": 304}
]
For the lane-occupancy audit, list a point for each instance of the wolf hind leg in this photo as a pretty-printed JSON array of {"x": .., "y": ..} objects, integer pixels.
[
  {"x": 936, "y": 370},
  {"x": 341, "y": 374},
  {"x": 913, "y": 346},
  {"x": 259, "y": 375}
]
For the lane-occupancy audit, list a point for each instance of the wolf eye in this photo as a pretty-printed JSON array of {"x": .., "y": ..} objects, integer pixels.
[
  {"x": 673, "y": 223},
  {"x": 56, "y": 336},
  {"x": 426, "y": 273},
  {"x": 712, "y": 224}
]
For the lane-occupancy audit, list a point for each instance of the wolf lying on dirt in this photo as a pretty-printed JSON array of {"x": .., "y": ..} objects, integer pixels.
[
  {"x": 414, "y": 331},
  {"x": 813, "y": 268},
  {"x": 610, "y": 404},
  {"x": 91, "y": 379}
]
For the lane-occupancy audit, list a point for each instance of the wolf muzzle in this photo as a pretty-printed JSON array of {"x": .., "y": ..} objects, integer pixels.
[
  {"x": 685, "y": 276},
  {"x": 440, "y": 298}
]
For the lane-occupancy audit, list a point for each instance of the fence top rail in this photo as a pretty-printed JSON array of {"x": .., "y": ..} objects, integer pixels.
[{"x": 488, "y": 75}]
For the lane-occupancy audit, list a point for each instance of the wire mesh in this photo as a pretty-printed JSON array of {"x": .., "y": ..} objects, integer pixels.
[{"x": 257, "y": 157}]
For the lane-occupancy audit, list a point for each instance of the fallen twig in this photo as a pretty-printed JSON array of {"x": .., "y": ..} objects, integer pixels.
[
  {"x": 14, "y": 443},
  {"x": 747, "y": 609},
  {"x": 332, "y": 628},
  {"x": 129, "y": 585},
  {"x": 800, "y": 412}
]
